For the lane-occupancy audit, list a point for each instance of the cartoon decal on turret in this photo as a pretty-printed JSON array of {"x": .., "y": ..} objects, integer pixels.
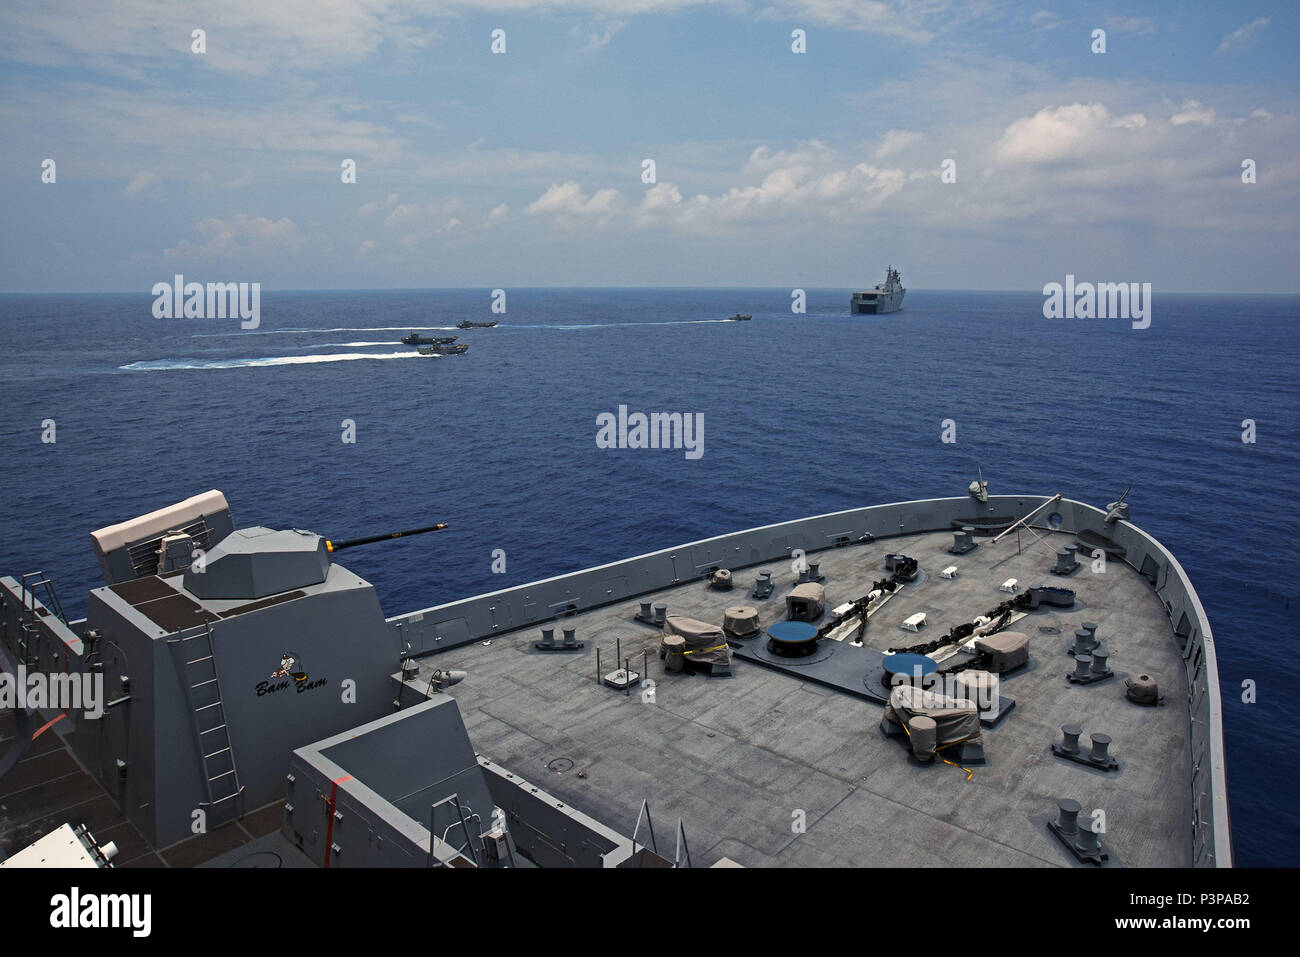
[
  {"x": 287, "y": 661},
  {"x": 290, "y": 667}
]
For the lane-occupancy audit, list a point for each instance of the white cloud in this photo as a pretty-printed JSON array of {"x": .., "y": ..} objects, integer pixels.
[
  {"x": 598, "y": 38},
  {"x": 896, "y": 141},
  {"x": 367, "y": 209},
  {"x": 240, "y": 236},
  {"x": 1046, "y": 20},
  {"x": 569, "y": 206},
  {"x": 309, "y": 37},
  {"x": 1131, "y": 25},
  {"x": 1192, "y": 112},
  {"x": 142, "y": 181},
  {"x": 1063, "y": 133},
  {"x": 1241, "y": 37}
]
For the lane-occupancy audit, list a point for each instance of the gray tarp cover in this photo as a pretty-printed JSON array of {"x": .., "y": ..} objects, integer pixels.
[
  {"x": 705, "y": 643},
  {"x": 956, "y": 719},
  {"x": 1009, "y": 649}
]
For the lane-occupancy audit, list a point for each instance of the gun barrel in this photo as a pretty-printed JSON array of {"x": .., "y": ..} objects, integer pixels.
[{"x": 350, "y": 542}]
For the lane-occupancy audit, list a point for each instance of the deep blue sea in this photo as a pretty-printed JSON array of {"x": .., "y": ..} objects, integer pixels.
[{"x": 803, "y": 414}]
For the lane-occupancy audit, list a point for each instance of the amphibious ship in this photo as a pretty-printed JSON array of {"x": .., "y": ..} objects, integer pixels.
[
  {"x": 975, "y": 681},
  {"x": 884, "y": 297}
]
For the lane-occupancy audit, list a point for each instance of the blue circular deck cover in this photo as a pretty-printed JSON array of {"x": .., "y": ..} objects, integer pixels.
[
  {"x": 907, "y": 664},
  {"x": 792, "y": 632}
]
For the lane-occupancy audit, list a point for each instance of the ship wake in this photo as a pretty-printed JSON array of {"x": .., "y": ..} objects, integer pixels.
[{"x": 169, "y": 365}]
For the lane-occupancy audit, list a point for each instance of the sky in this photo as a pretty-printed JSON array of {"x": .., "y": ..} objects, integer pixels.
[{"x": 527, "y": 167}]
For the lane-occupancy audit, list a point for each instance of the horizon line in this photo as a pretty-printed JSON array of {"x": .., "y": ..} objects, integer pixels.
[{"x": 305, "y": 289}]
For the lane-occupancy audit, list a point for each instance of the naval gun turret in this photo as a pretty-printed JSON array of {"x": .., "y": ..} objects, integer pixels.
[{"x": 221, "y": 651}]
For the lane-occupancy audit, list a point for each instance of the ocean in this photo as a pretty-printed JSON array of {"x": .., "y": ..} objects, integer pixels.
[{"x": 802, "y": 414}]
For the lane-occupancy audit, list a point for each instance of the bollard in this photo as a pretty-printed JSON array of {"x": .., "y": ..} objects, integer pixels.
[
  {"x": 1100, "y": 745},
  {"x": 1068, "y": 815},
  {"x": 1071, "y": 734},
  {"x": 1087, "y": 840},
  {"x": 1082, "y": 665},
  {"x": 1099, "y": 657}
]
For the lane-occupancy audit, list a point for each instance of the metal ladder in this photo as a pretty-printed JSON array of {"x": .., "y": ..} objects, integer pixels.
[
  {"x": 198, "y": 669},
  {"x": 29, "y": 621},
  {"x": 51, "y": 600}
]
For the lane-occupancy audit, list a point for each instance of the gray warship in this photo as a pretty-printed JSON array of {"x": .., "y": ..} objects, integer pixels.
[
  {"x": 884, "y": 297},
  {"x": 975, "y": 681}
]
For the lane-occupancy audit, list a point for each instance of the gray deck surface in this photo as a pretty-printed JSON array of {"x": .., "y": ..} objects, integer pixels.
[{"x": 737, "y": 757}]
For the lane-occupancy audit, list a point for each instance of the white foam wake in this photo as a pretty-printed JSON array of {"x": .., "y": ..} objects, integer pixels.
[
  {"x": 167, "y": 365},
  {"x": 303, "y": 332}
]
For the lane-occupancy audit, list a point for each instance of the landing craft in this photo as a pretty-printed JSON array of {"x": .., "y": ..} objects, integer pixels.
[{"x": 415, "y": 339}]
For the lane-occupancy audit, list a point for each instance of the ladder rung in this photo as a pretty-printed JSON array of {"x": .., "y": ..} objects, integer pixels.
[
  {"x": 215, "y": 753},
  {"x": 207, "y": 706},
  {"x": 210, "y": 730},
  {"x": 197, "y": 660},
  {"x": 210, "y": 681},
  {"x": 220, "y": 776},
  {"x": 228, "y": 797}
]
